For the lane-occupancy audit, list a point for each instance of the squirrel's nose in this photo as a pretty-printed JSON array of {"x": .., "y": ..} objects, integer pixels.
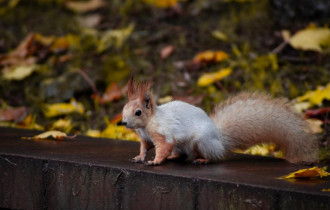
[{"x": 124, "y": 122}]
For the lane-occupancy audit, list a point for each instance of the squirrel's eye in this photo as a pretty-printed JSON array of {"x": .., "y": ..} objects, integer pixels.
[{"x": 138, "y": 112}]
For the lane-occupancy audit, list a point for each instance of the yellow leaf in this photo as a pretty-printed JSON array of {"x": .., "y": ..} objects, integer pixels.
[
  {"x": 316, "y": 39},
  {"x": 307, "y": 173},
  {"x": 326, "y": 190},
  {"x": 209, "y": 78},
  {"x": 52, "y": 110},
  {"x": 114, "y": 38},
  {"x": 165, "y": 99},
  {"x": 162, "y": 3},
  {"x": 262, "y": 149},
  {"x": 45, "y": 40},
  {"x": 20, "y": 72},
  {"x": 220, "y": 55},
  {"x": 210, "y": 56},
  {"x": 220, "y": 35},
  {"x": 315, "y": 97},
  {"x": 62, "y": 125},
  {"x": 60, "y": 44},
  {"x": 93, "y": 133},
  {"x": 58, "y": 135},
  {"x": 30, "y": 123},
  {"x": 301, "y": 106},
  {"x": 119, "y": 132}
]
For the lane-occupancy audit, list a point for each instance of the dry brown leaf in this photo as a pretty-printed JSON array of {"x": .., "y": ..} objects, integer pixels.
[
  {"x": 117, "y": 118},
  {"x": 57, "y": 135},
  {"x": 81, "y": 7},
  {"x": 112, "y": 93},
  {"x": 20, "y": 54},
  {"x": 166, "y": 51},
  {"x": 90, "y": 21}
]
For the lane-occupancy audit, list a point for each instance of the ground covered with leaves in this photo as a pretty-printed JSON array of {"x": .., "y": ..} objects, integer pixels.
[{"x": 64, "y": 64}]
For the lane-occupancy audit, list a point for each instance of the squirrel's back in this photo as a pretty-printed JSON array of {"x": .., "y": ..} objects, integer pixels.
[{"x": 252, "y": 118}]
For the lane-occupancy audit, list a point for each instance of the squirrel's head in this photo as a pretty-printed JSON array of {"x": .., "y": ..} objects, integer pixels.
[{"x": 140, "y": 106}]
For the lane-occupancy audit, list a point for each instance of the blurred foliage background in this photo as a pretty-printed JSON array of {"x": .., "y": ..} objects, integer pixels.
[{"x": 64, "y": 64}]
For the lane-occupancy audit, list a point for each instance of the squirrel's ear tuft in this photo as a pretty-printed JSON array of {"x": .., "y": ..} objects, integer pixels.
[
  {"x": 132, "y": 89},
  {"x": 138, "y": 89}
]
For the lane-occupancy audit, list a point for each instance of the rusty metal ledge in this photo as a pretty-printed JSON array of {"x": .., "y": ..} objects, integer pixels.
[{"x": 90, "y": 173}]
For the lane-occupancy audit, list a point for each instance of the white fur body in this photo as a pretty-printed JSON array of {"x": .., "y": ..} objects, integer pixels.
[
  {"x": 187, "y": 127},
  {"x": 241, "y": 121}
]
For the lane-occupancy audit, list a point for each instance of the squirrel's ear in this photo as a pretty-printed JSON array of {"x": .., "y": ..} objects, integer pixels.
[
  {"x": 145, "y": 94},
  {"x": 147, "y": 100}
]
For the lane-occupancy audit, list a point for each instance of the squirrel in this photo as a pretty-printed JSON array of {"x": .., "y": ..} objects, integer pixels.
[{"x": 178, "y": 129}]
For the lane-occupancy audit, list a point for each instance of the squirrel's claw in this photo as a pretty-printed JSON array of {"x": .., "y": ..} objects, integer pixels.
[
  {"x": 137, "y": 159},
  {"x": 152, "y": 163}
]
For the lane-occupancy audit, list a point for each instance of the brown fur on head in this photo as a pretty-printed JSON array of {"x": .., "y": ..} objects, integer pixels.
[{"x": 140, "y": 105}]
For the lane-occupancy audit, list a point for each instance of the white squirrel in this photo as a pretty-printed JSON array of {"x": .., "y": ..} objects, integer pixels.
[{"x": 178, "y": 128}]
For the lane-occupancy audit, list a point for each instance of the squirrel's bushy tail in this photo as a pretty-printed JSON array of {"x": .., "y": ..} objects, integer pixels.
[{"x": 252, "y": 118}]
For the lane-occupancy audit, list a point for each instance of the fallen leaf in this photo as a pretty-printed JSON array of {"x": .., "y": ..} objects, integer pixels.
[
  {"x": 82, "y": 7},
  {"x": 45, "y": 40},
  {"x": 112, "y": 93},
  {"x": 220, "y": 35},
  {"x": 315, "y": 97},
  {"x": 114, "y": 38},
  {"x": 93, "y": 133},
  {"x": 117, "y": 118},
  {"x": 13, "y": 114},
  {"x": 300, "y": 106},
  {"x": 60, "y": 45},
  {"x": 19, "y": 72},
  {"x": 315, "y": 125},
  {"x": 29, "y": 122},
  {"x": 165, "y": 99},
  {"x": 210, "y": 56},
  {"x": 315, "y": 39},
  {"x": 21, "y": 55},
  {"x": 119, "y": 132},
  {"x": 162, "y": 3},
  {"x": 307, "y": 173},
  {"x": 52, "y": 110},
  {"x": 90, "y": 21},
  {"x": 166, "y": 51},
  {"x": 57, "y": 135},
  {"x": 322, "y": 114},
  {"x": 64, "y": 125},
  {"x": 326, "y": 190},
  {"x": 23, "y": 49},
  {"x": 209, "y": 78},
  {"x": 264, "y": 149}
]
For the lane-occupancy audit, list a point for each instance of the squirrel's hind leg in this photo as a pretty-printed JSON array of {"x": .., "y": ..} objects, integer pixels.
[{"x": 176, "y": 154}]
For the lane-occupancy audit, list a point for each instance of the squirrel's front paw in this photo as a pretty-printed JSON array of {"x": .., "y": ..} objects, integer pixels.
[
  {"x": 152, "y": 163},
  {"x": 137, "y": 159}
]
